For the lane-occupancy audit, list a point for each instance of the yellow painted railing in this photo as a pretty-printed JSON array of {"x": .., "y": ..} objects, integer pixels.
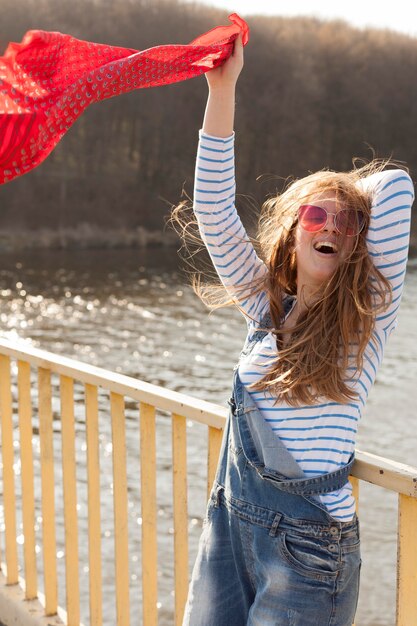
[{"x": 26, "y": 390}]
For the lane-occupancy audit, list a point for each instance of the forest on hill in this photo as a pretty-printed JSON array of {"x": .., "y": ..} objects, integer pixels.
[{"x": 313, "y": 94}]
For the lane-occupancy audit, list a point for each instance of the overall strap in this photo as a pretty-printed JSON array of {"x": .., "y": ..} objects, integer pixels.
[{"x": 265, "y": 325}]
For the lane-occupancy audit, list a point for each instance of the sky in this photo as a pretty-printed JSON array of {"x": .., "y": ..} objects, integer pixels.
[{"x": 400, "y": 15}]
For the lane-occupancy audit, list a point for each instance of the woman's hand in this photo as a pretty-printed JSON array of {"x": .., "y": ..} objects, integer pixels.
[
  {"x": 227, "y": 74},
  {"x": 220, "y": 110}
]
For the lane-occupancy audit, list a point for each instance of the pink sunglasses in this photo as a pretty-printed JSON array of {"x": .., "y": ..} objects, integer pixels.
[{"x": 347, "y": 221}]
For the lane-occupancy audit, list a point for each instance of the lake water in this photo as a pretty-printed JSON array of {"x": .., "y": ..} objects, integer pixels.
[{"x": 133, "y": 312}]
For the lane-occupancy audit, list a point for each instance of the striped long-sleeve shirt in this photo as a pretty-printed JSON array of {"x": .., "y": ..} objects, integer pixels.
[{"x": 321, "y": 437}]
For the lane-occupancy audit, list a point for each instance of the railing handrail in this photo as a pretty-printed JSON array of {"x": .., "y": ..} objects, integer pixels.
[
  {"x": 378, "y": 470},
  {"x": 165, "y": 399},
  {"x": 386, "y": 473}
]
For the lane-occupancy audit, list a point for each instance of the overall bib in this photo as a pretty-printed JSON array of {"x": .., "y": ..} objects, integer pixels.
[{"x": 270, "y": 554}]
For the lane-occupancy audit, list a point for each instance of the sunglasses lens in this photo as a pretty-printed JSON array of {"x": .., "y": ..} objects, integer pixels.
[
  {"x": 350, "y": 222},
  {"x": 312, "y": 218}
]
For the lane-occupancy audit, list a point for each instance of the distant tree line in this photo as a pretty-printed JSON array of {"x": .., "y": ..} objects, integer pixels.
[{"x": 313, "y": 94}]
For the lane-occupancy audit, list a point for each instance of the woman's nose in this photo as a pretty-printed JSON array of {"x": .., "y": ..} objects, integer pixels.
[{"x": 330, "y": 224}]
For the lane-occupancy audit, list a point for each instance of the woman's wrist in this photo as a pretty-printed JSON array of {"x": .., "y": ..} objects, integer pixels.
[{"x": 223, "y": 90}]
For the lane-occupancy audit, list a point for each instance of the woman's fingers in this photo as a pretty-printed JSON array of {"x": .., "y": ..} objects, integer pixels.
[
  {"x": 237, "y": 54},
  {"x": 229, "y": 72},
  {"x": 238, "y": 47}
]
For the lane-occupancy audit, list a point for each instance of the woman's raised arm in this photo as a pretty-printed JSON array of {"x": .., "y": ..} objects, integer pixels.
[
  {"x": 229, "y": 247},
  {"x": 220, "y": 110},
  {"x": 389, "y": 234}
]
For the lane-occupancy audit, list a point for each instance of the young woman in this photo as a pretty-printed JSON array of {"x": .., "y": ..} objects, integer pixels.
[{"x": 280, "y": 542}]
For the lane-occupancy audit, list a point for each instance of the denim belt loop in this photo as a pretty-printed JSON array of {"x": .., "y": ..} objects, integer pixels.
[{"x": 274, "y": 528}]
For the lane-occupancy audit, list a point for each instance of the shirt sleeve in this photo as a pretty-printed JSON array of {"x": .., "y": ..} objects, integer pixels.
[
  {"x": 221, "y": 229},
  {"x": 388, "y": 235}
]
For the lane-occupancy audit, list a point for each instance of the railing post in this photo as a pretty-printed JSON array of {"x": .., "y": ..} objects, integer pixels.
[
  {"x": 28, "y": 497},
  {"x": 94, "y": 522},
  {"x": 7, "y": 446},
  {"x": 48, "y": 492},
  {"x": 120, "y": 509},
  {"x": 148, "y": 504},
  {"x": 215, "y": 436},
  {"x": 355, "y": 491},
  {"x": 179, "y": 467},
  {"x": 72, "y": 576},
  {"x": 407, "y": 560}
]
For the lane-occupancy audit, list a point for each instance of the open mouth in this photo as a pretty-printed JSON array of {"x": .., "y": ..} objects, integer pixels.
[{"x": 327, "y": 248}]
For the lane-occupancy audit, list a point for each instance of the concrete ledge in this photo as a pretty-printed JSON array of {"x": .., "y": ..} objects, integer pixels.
[{"x": 16, "y": 611}]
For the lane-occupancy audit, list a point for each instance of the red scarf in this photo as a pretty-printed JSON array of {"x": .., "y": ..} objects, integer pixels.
[{"x": 49, "y": 79}]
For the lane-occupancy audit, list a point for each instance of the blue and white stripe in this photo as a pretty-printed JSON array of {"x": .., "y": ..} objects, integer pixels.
[{"x": 321, "y": 437}]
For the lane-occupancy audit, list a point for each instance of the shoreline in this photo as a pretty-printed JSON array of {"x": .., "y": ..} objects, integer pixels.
[{"x": 85, "y": 237}]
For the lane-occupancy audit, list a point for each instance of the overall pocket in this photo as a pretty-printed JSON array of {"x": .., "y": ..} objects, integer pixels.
[{"x": 310, "y": 556}]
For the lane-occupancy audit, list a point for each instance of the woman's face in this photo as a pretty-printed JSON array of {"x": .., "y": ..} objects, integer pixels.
[{"x": 316, "y": 261}]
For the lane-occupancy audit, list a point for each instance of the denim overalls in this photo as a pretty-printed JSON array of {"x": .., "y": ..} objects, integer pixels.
[{"x": 270, "y": 554}]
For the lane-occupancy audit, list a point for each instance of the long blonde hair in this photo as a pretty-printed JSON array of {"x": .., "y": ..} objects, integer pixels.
[{"x": 314, "y": 362}]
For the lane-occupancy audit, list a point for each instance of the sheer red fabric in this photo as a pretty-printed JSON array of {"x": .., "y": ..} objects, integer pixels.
[{"x": 49, "y": 79}]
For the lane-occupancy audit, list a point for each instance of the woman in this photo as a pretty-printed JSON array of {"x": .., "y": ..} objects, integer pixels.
[{"x": 280, "y": 542}]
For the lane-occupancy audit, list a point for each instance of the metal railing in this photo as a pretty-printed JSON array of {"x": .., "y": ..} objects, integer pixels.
[{"x": 26, "y": 390}]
